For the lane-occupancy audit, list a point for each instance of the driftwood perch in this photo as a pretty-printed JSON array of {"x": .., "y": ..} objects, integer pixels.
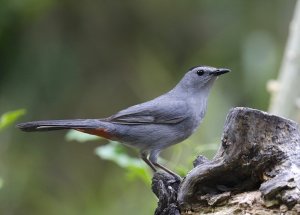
[
  {"x": 256, "y": 170},
  {"x": 165, "y": 187}
]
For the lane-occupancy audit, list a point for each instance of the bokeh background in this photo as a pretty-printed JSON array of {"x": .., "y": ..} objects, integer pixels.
[{"x": 88, "y": 59}]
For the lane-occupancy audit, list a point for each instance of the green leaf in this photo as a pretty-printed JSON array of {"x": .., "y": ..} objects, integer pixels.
[
  {"x": 9, "y": 117},
  {"x": 135, "y": 167},
  {"x": 80, "y": 137}
]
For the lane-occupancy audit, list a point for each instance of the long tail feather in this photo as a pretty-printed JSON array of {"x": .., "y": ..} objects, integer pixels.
[{"x": 50, "y": 125}]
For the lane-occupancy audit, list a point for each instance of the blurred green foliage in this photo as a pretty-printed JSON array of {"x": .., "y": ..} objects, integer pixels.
[
  {"x": 7, "y": 119},
  {"x": 115, "y": 152},
  {"x": 10, "y": 117},
  {"x": 135, "y": 167},
  {"x": 90, "y": 59}
]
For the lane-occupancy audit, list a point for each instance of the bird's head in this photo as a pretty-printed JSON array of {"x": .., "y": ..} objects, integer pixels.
[{"x": 200, "y": 78}]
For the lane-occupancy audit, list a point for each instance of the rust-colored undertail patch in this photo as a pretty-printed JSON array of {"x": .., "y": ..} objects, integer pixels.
[{"x": 101, "y": 132}]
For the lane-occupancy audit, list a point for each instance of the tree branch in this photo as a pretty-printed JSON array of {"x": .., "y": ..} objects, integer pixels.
[{"x": 285, "y": 99}]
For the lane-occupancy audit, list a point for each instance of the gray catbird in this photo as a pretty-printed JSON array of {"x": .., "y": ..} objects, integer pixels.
[{"x": 153, "y": 125}]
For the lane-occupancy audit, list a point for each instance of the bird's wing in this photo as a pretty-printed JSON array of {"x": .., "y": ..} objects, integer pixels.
[{"x": 153, "y": 112}]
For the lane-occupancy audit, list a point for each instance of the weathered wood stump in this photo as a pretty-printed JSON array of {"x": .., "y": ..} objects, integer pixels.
[
  {"x": 165, "y": 187},
  {"x": 256, "y": 170}
]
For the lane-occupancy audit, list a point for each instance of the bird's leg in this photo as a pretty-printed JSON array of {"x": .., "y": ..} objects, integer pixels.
[
  {"x": 153, "y": 160},
  {"x": 167, "y": 170},
  {"x": 144, "y": 157}
]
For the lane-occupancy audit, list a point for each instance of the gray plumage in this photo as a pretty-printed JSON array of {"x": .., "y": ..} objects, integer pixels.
[{"x": 153, "y": 125}]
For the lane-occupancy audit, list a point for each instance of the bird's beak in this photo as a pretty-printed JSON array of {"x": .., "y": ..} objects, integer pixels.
[{"x": 220, "y": 71}]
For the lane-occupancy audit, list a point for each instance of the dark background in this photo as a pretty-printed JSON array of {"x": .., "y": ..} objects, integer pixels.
[{"x": 89, "y": 59}]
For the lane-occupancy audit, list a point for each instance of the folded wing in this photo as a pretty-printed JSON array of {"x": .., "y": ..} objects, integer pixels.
[{"x": 153, "y": 112}]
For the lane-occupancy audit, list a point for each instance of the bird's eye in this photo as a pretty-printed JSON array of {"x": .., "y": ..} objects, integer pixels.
[{"x": 200, "y": 72}]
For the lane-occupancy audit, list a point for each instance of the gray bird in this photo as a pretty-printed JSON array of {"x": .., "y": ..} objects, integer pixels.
[{"x": 153, "y": 125}]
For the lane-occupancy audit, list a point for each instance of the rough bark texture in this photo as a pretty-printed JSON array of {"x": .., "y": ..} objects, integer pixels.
[
  {"x": 256, "y": 170},
  {"x": 165, "y": 188}
]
